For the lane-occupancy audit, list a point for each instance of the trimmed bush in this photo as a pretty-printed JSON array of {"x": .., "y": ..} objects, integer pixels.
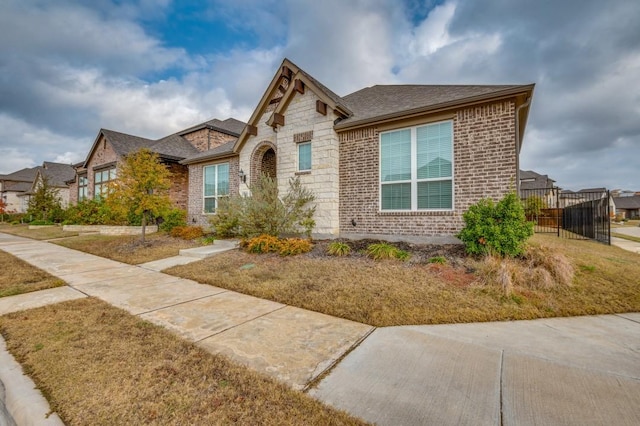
[
  {"x": 500, "y": 229},
  {"x": 187, "y": 232},
  {"x": 270, "y": 244},
  {"x": 173, "y": 218}
]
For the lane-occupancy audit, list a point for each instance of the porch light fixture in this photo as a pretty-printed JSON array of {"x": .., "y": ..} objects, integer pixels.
[{"x": 243, "y": 177}]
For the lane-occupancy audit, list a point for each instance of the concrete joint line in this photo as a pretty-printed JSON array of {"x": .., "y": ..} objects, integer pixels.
[
  {"x": 628, "y": 319},
  {"x": 313, "y": 382},
  {"x": 242, "y": 323},
  {"x": 502, "y": 387},
  {"x": 181, "y": 303}
]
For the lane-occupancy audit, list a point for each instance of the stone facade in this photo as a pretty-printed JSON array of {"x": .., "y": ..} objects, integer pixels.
[
  {"x": 196, "y": 215},
  {"x": 205, "y": 139},
  {"x": 484, "y": 166},
  {"x": 300, "y": 117}
]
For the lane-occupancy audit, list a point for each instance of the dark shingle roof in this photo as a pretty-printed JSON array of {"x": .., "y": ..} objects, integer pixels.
[
  {"x": 174, "y": 147},
  {"x": 334, "y": 97},
  {"x": 123, "y": 143},
  {"x": 540, "y": 182},
  {"x": 217, "y": 152},
  {"x": 23, "y": 175},
  {"x": 627, "y": 202},
  {"x": 230, "y": 125},
  {"x": 19, "y": 186},
  {"x": 388, "y": 101},
  {"x": 58, "y": 173}
]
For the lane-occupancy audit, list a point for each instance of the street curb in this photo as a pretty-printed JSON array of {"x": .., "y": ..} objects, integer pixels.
[{"x": 21, "y": 403}]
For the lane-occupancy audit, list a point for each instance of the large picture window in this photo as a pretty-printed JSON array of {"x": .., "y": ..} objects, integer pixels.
[
  {"x": 416, "y": 168},
  {"x": 216, "y": 185},
  {"x": 101, "y": 180}
]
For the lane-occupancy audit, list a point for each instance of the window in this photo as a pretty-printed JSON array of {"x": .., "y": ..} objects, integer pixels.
[
  {"x": 100, "y": 181},
  {"x": 416, "y": 168},
  {"x": 83, "y": 183},
  {"x": 304, "y": 156},
  {"x": 216, "y": 184}
]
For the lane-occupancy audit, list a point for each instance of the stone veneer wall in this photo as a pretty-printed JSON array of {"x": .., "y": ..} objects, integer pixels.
[
  {"x": 195, "y": 215},
  {"x": 205, "y": 139},
  {"x": 484, "y": 166},
  {"x": 300, "y": 117}
]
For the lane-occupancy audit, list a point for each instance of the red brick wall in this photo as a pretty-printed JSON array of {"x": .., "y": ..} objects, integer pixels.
[
  {"x": 103, "y": 154},
  {"x": 179, "y": 191},
  {"x": 484, "y": 166}
]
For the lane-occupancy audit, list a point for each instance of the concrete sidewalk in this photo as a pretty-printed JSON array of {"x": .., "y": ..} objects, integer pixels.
[
  {"x": 582, "y": 370},
  {"x": 293, "y": 345}
]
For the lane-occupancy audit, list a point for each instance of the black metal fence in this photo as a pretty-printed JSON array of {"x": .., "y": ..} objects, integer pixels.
[{"x": 568, "y": 214}]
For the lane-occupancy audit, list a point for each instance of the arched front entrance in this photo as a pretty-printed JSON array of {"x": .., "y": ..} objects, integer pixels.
[{"x": 264, "y": 160}]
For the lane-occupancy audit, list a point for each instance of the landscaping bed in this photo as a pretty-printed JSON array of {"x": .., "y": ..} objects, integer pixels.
[{"x": 96, "y": 364}]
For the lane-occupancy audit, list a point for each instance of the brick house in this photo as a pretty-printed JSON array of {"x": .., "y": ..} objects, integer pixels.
[
  {"x": 403, "y": 160},
  {"x": 16, "y": 188},
  {"x": 110, "y": 148}
]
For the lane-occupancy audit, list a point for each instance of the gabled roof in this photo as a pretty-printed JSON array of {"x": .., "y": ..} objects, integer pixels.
[
  {"x": 224, "y": 150},
  {"x": 385, "y": 102},
  {"x": 123, "y": 143},
  {"x": 18, "y": 186},
  {"x": 539, "y": 181},
  {"x": 22, "y": 175},
  {"x": 593, "y": 190},
  {"x": 57, "y": 173},
  {"x": 230, "y": 126},
  {"x": 173, "y": 147},
  {"x": 630, "y": 203}
]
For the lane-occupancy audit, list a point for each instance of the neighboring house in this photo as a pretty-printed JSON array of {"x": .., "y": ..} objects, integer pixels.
[
  {"x": 536, "y": 184},
  {"x": 110, "y": 148},
  {"x": 570, "y": 198},
  {"x": 16, "y": 188},
  {"x": 387, "y": 160},
  {"x": 628, "y": 207},
  {"x": 58, "y": 176}
]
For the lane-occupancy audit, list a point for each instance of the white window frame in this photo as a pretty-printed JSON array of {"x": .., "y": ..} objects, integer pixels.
[
  {"x": 215, "y": 186},
  {"x": 414, "y": 171},
  {"x": 310, "y": 156}
]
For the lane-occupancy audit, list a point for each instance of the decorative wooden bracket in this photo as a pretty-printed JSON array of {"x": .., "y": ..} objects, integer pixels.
[
  {"x": 321, "y": 107},
  {"x": 252, "y": 130},
  {"x": 299, "y": 86}
]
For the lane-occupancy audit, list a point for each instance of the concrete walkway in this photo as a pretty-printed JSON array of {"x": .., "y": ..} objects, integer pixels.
[
  {"x": 293, "y": 345},
  {"x": 633, "y": 231},
  {"x": 582, "y": 370}
]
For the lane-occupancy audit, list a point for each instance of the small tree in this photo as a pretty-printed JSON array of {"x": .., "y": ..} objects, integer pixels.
[
  {"x": 3, "y": 209},
  {"x": 44, "y": 203},
  {"x": 142, "y": 187},
  {"x": 533, "y": 206},
  {"x": 265, "y": 212},
  {"x": 500, "y": 229}
]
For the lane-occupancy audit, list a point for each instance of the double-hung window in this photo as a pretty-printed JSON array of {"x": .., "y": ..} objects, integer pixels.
[
  {"x": 216, "y": 185},
  {"x": 101, "y": 180},
  {"x": 416, "y": 168},
  {"x": 304, "y": 156},
  {"x": 83, "y": 183}
]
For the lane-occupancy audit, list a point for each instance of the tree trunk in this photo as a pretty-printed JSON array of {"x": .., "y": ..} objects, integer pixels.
[{"x": 144, "y": 225}]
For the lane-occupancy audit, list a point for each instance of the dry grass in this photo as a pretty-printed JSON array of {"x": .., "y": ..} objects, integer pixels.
[
  {"x": 17, "y": 277},
  {"x": 99, "y": 365},
  {"x": 392, "y": 293},
  {"x": 46, "y": 233},
  {"x": 129, "y": 249}
]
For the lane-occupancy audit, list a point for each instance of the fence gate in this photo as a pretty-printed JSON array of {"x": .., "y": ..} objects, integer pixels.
[{"x": 568, "y": 214}]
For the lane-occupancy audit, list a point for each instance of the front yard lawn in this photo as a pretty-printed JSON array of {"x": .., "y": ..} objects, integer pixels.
[
  {"x": 390, "y": 293},
  {"x": 17, "y": 277},
  {"x": 96, "y": 364},
  {"x": 44, "y": 233},
  {"x": 129, "y": 249}
]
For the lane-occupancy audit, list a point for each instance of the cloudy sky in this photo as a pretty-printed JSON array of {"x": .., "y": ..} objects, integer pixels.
[{"x": 152, "y": 67}]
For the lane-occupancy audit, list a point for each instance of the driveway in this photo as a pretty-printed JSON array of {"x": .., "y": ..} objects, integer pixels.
[{"x": 569, "y": 371}]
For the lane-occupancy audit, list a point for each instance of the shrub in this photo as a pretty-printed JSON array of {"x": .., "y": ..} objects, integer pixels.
[
  {"x": 172, "y": 218},
  {"x": 270, "y": 244},
  {"x": 187, "y": 232},
  {"x": 93, "y": 212},
  {"x": 499, "y": 229},
  {"x": 264, "y": 212},
  {"x": 441, "y": 260},
  {"x": 337, "y": 248},
  {"x": 378, "y": 251},
  {"x": 207, "y": 240}
]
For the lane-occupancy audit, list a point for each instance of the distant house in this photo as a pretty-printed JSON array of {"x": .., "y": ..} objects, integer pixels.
[
  {"x": 628, "y": 207},
  {"x": 385, "y": 160},
  {"x": 110, "y": 147},
  {"x": 16, "y": 188},
  {"x": 570, "y": 198},
  {"x": 533, "y": 184}
]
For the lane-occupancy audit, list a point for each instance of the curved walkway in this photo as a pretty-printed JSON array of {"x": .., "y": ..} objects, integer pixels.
[{"x": 582, "y": 370}]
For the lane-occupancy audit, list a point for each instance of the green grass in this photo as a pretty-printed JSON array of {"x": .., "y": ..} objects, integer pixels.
[{"x": 626, "y": 237}]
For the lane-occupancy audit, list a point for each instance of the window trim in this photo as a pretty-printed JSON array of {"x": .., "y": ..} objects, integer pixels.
[
  {"x": 103, "y": 183},
  {"x": 414, "y": 172},
  {"x": 84, "y": 186},
  {"x": 310, "y": 157},
  {"x": 204, "y": 181}
]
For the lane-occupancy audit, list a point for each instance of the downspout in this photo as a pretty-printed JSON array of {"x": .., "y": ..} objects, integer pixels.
[{"x": 518, "y": 143}]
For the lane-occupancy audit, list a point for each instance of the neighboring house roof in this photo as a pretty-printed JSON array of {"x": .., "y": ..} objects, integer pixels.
[
  {"x": 223, "y": 150},
  {"x": 229, "y": 126},
  {"x": 531, "y": 180},
  {"x": 57, "y": 173},
  {"x": 19, "y": 186},
  {"x": 22, "y": 175},
  {"x": 627, "y": 203},
  {"x": 173, "y": 147},
  {"x": 382, "y": 102},
  {"x": 593, "y": 190}
]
